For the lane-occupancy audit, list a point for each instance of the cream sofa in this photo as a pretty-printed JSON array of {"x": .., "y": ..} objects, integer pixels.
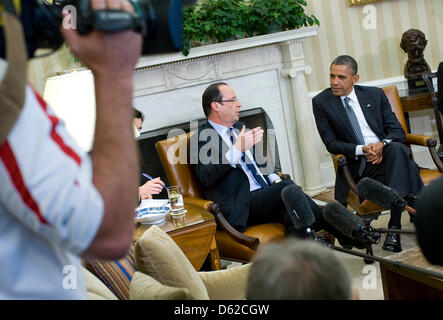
[{"x": 162, "y": 272}]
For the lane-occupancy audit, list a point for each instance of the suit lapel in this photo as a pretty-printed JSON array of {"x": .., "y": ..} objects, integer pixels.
[{"x": 367, "y": 106}]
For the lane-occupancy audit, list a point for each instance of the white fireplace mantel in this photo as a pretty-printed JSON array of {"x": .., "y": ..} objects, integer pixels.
[
  {"x": 226, "y": 47},
  {"x": 265, "y": 71}
]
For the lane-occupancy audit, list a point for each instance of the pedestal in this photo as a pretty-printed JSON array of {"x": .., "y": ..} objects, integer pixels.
[{"x": 295, "y": 68}]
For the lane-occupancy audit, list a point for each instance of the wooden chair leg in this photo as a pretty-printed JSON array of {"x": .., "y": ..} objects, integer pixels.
[{"x": 214, "y": 256}]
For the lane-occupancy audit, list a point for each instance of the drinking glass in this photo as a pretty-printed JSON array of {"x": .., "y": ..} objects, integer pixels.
[{"x": 175, "y": 196}]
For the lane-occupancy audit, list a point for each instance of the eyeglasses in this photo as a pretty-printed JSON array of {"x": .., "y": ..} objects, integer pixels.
[{"x": 230, "y": 100}]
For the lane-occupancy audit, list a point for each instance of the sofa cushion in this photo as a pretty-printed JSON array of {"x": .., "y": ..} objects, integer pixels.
[
  {"x": 228, "y": 284},
  {"x": 144, "y": 287},
  {"x": 116, "y": 275},
  {"x": 95, "y": 288},
  {"x": 158, "y": 256}
]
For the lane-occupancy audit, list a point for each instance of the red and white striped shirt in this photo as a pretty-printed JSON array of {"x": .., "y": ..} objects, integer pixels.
[{"x": 50, "y": 211}]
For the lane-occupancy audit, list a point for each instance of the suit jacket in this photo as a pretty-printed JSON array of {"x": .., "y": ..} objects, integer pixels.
[
  {"x": 336, "y": 131},
  {"x": 223, "y": 184}
]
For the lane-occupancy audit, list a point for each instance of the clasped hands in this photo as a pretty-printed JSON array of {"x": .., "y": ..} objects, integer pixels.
[
  {"x": 247, "y": 139},
  {"x": 373, "y": 152}
]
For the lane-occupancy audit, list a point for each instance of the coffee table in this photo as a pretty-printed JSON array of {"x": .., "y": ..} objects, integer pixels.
[
  {"x": 405, "y": 284},
  {"x": 194, "y": 233}
]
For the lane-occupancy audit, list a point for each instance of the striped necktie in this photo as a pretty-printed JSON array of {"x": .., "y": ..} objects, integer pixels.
[
  {"x": 250, "y": 166},
  {"x": 357, "y": 131},
  {"x": 354, "y": 122}
]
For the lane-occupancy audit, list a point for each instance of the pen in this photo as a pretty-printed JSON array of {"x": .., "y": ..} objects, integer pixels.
[{"x": 149, "y": 177}]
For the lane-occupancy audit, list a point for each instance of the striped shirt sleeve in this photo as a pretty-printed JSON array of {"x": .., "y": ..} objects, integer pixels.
[{"x": 47, "y": 180}]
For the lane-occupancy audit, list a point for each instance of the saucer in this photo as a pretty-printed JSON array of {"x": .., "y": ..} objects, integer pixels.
[
  {"x": 152, "y": 212},
  {"x": 152, "y": 218}
]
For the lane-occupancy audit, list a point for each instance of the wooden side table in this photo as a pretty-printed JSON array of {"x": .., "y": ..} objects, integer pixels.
[
  {"x": 194, "y": 233},
  {"x": 414, "y": 102},
  {"x": 405, "y": 284}
]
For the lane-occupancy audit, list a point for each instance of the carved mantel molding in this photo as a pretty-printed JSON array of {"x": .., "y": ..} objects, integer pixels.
[{"x": 225, "y": 47}]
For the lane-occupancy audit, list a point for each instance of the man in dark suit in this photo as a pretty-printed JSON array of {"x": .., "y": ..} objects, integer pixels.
[
  {"x": 246, "y": 195},
  {"x": 234, "y": 175},
  {"x": 358, "y": 122}
]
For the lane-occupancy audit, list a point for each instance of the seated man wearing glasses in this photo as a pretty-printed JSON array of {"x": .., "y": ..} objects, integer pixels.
[{"x": 232, "y": 173}]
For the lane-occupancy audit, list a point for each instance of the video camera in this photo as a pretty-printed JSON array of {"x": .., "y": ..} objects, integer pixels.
[{"x": 159, "y": 21}]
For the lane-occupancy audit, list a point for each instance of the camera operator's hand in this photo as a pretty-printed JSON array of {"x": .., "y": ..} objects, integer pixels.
[
  {"x": 109, "y": 54},
  {"x": 112, "y": 58}
]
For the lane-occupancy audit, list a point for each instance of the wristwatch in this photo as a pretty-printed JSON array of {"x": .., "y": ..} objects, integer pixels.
[
  {"x": 385, "y": 142},
  {"x": 276, "y": 181}
]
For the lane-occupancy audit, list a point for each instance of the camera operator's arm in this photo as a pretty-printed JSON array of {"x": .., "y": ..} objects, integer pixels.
[{"x": 112, "y": 58}]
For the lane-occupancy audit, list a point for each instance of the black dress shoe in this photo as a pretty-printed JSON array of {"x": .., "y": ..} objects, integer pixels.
[{"x": 392, "y": 243}]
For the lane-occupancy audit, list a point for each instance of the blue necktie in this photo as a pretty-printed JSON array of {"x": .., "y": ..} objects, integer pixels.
[
  {"x": 356, "y": 127},
  {"x": 250, "y": 166}
]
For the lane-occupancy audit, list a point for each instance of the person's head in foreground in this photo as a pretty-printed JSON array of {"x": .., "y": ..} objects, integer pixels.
[{"x": 295, "y": 269}]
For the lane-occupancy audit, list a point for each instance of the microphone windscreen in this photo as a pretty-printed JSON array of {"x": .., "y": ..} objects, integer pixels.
[
  {"x": 377, "y": 192},
  {"x": 296, "y": 203},
  {"x": 342, "y": 219}
]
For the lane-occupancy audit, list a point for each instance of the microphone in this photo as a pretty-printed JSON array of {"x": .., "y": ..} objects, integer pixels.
[
  {"x": 350, "y": 225},
  {"x": 384, "y": 196},
  {"x": 399, "y": 231},
  {"x": 295, "y": 201},
  {"x": 396, "y": 264}
]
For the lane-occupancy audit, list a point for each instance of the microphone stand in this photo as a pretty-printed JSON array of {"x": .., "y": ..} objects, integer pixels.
[
  {"x": 397, "y": 264},
  {"x": 400, "y": 231}
]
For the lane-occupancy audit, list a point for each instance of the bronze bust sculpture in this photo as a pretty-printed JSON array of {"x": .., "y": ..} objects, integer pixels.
[{"x": 413, "y": 42}]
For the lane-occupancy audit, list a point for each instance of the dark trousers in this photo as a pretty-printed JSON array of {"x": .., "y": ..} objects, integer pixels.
[
  {"x": 398, "y": 171},
  {"x": 266, "y": 205}
]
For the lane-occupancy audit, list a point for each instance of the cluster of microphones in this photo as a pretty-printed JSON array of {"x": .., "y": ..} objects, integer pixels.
[{"x": 349, "y": 224}]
